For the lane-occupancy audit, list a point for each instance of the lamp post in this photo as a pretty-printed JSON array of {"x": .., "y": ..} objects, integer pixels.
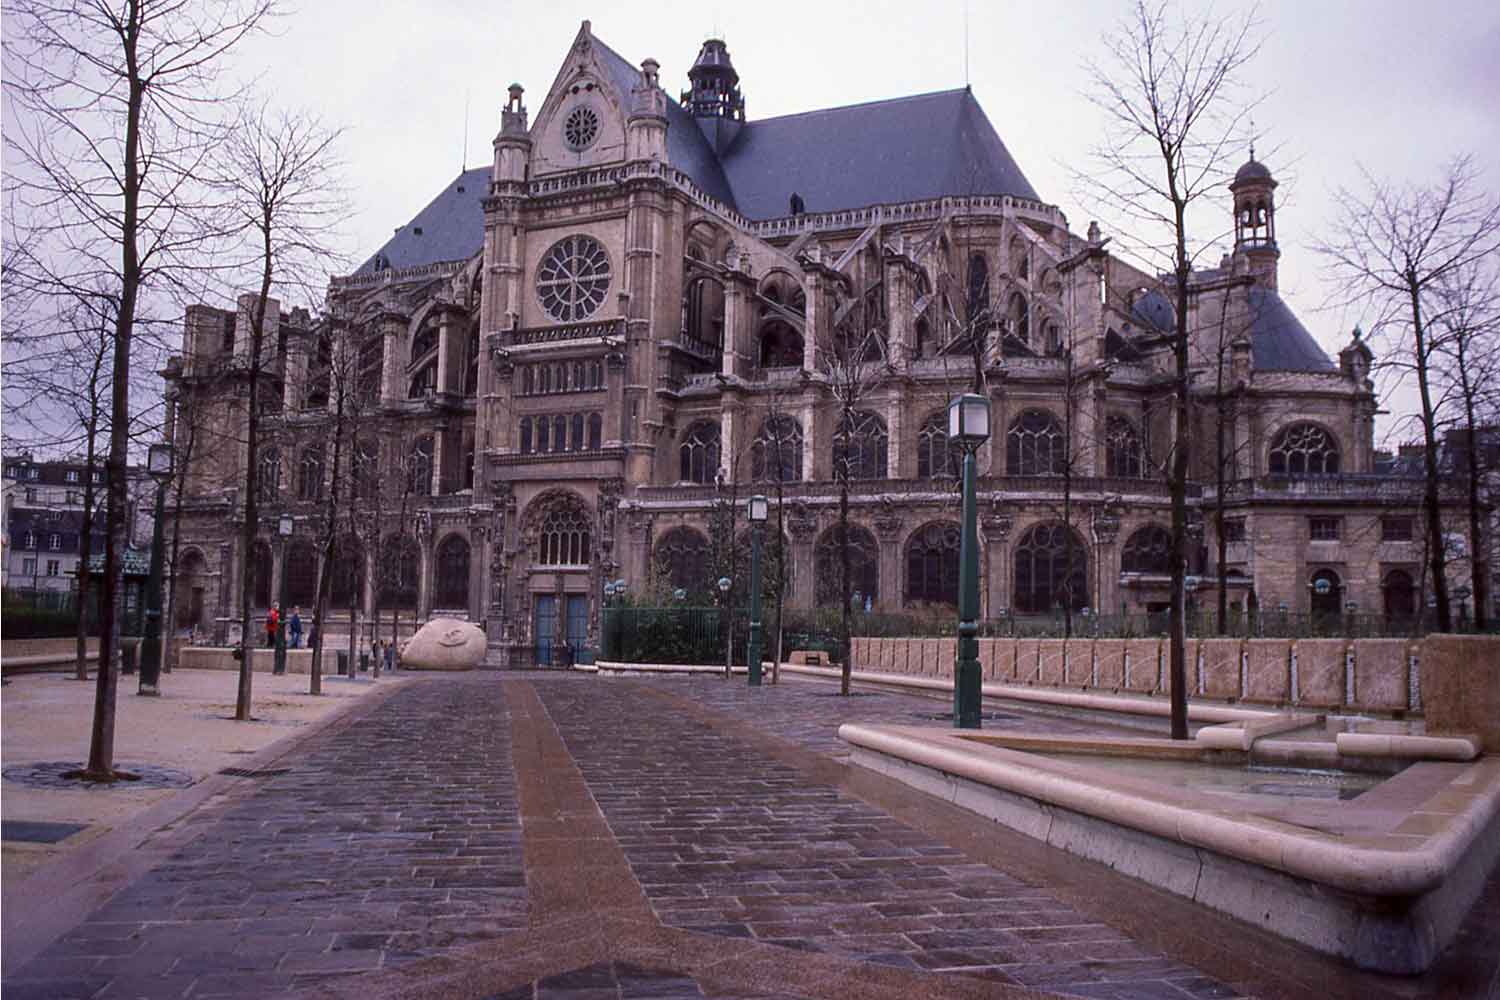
[
  {"x": 284, "y": 526},
  {"x": 757, "y": 507},
  {"x": 968, "y": 427},
  {"x": 724, "y": 584},
  {"x": 159, "y": 460}
]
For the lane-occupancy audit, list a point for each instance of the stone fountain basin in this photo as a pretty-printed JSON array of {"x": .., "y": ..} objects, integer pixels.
[{"x": 1382, "y": 879}]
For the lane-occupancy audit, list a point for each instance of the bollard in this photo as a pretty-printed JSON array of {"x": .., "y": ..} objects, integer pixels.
[{"x": 343, "y": 662}]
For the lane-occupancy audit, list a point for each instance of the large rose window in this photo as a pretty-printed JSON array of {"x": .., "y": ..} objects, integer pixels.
[{"x": 573, "y": 279}]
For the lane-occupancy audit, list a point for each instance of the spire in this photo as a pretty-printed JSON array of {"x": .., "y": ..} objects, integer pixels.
[
  {"x": 715, "y": 91},
  {"x": 1255, "y": 217}
]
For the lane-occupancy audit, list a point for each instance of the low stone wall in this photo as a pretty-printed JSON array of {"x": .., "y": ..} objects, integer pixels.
[
  {"x": 262, "y": 661},
  {"x": 17, "y": 648},
  {"x": 1366, "y": 675},
  {"x": 1460, "y": 687}
]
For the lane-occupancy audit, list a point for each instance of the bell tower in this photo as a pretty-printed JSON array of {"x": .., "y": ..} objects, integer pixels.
[
  {"x": 1255, "y": 219},
  {"x": 714, "y": 99}
]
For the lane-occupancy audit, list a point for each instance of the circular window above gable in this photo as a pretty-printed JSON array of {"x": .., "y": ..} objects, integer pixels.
[
  {"x": 573, "y": 278},
  {"x": 581, "y": 127}
]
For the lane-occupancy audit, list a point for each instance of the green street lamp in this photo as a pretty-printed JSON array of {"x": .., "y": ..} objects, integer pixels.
[
  {"x": 968, "y": 428},
  {"x": 757, "y": 508},
  {"x": 284, "y": 527},
  {"x": 159, "y": 462}
]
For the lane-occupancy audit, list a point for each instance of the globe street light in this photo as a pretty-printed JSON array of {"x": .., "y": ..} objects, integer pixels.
[
  {"x": 159, "y": 462},
  {"x": 757, "y": 508},
  {"x": 284, "y": 530},
  {"x": 968, "y": 428}
]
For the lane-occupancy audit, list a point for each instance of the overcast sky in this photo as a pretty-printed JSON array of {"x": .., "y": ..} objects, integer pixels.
[{"x": 1396, "y": 86}]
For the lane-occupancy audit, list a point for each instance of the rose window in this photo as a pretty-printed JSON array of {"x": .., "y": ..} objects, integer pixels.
[
  {"x": 573, "y": 278},
  {"x": 581, "y": 128}
]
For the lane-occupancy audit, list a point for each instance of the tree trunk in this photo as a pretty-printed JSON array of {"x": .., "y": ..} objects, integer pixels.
[{"x": 1430, "y": 495}]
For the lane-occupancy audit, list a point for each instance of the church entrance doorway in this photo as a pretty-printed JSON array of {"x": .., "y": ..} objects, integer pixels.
[{"x": 574, "y": 611}]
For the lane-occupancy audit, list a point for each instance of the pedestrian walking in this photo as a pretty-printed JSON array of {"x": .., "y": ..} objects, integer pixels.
[
  {"x": 294, "y": 627},
  {"x": 272, "y": 618}
]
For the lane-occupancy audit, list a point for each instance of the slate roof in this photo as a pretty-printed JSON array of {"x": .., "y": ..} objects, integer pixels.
[
  {"x": 451, "y": 227},
  {"x": 883, "y": 152},
  {"x": 1278, "y": 340}
]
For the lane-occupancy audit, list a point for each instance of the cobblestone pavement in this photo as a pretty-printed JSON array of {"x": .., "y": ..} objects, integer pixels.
[
  {"x": 725, "y": 842},
  {"x": 564, "y": 837},
  {"x": 388, "y": 841}
]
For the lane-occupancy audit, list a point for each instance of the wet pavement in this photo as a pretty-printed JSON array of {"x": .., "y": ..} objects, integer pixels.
[{"x": 538, "y": 835}]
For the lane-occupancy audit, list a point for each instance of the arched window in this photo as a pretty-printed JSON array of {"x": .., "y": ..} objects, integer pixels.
[
  {"x": 346, "y": 583},
  {"x": 310, "y": 474},
  {"x": 1149, "y": 550},
  {"x": 781, "y": 346},
  {"x": 699, "y": 453},
  {"x": 1400, "y": 597},
  {"x": 936, "y": 459},
  {"x": 262, "y": 596},
  {"x": 1018, "y": 320},
  {"x": 268, "y": 478},
  {"x": 399, "y": 558},
  {"x": 932, "y": 564},
  {"x": 776, "y": 454},
  {"x": 1327, "y": 600},
  {"x": 301, "y": 574},
  {"x": 577, "y": 431},
  {"x": 543, "y": 435},
  {"x": 371, "y": 362},
  {"x": 528, "y": 380},
  {"x": 703, "y": 313},
  {"x": 366, "y": 468},
  {"x": 864, "y": 567},
  {"x": 978, "y": 300},
  {"x": 525, "y": 435},
  {"x": 861, "y": 446},
  {"x": 419, "y": 470},
  {"x": 1304, "y": 450},
  {"x": 596, "y": 431},
  {"x": 1044, "y": 581},
  {"x": 1035, "y": 445},
  {"x": 451, "y": 588},
  {"x": 1122, "y": 449},
  {"x": 559, "y": 433},
  {"x": 683, "y": 555},
  {"x": 565, "y": 538}
]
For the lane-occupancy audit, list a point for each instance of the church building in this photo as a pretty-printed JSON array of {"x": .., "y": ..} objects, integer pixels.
[{"x": 644, "y": 306}]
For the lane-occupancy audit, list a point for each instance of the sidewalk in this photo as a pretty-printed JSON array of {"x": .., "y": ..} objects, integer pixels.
[{"x": 173, "y": 741}]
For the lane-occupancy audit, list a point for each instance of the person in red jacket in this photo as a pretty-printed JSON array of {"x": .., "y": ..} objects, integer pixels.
[{"x": 272, "y": 617}]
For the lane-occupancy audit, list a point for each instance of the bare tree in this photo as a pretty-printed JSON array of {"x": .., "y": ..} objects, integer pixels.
[
  {"x": 1393, "y": 250},
  {"x": 852, "y": 367},
  {"x": 279, "y": 170},
  {"x": 1466, "y": 321},
  {"x": 117, "y": 110},
  {"x": 1169, "y": 88}
]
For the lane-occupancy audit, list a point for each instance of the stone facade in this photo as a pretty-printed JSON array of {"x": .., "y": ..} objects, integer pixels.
[{"x": 574, "y": 354}]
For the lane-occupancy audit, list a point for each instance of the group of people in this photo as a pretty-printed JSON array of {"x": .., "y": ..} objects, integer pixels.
[
  {"x": 293, "y": 628},
  {"x": 381, "y": 651}
]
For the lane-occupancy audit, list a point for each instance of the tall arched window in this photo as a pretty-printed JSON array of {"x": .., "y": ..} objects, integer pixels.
[
  {"x": 577, "y": 431},
  {"x": 301, "y": 574},
  {"x": 1149, "y": 550},
  {"x": 1044, "y": 581},
  {"x": 1018, "y": 320},
  {"x": 699, "y": 453},
  {"x": 864, "y": 567},
  {"x": 861, "y": 446},
  {"x": 936, "y": 459},
  {"x": 371, "y": 362},
  {"x": 1304, "y": 450},
  {"x": 347, "y": 577},
  {"x": 781, "y": 346},
  {"x": 1035, "y": 445},
  {"x": 419, "y": 469},
  {"x": 978, "y": 299},
  {"x": 596, "y": 432},
  {"x": 564, "y": 539},
  {"x": 263, "y": 575},
  {"x": 703, "y": 313},
  {"x": 932, "y": 564},
  {"x": 1123, "y": 455},
  {"x": 776, "y": 454},
  {"x": 310, "y": 474},
  {"x": 268, "y": 476},
  {"x": 683, "y": 555},
  {"x": 525, "y": 442},
  {"x": 452, "y": 583},
  {"x": 399, "y": 556},
  {"x": 1399, "y": 593}
]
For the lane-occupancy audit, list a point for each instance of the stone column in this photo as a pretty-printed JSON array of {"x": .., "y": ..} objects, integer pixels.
[
  {"x": 802, "y": 530},
  {"x": 439, "y": 448},
  {"x": 997, "y": 520},
  {"x": 889, "y": 529},
  {"x": 479, "y": 542}
]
